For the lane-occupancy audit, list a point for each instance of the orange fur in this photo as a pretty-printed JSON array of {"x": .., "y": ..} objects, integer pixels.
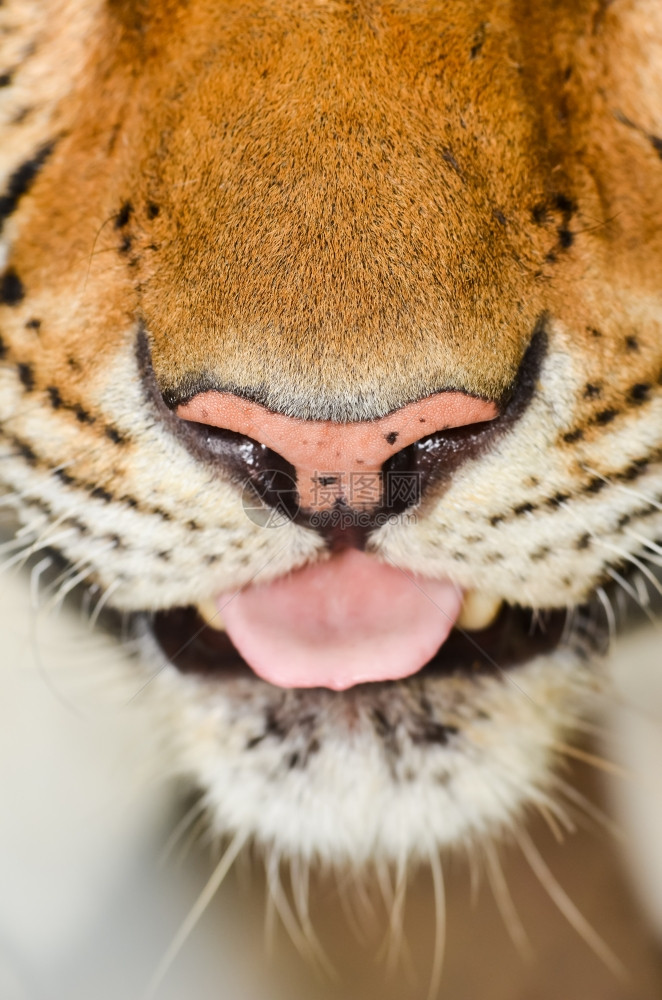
[{"x": 358, "y": 203}]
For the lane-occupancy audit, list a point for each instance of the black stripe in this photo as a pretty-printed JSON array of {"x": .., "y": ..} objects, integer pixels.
[
  {"x": 12, "y": 290},
  {"x": 21, "y": 181}
]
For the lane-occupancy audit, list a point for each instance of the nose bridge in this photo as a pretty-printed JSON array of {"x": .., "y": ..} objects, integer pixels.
[{"x": 336, "y": 461}]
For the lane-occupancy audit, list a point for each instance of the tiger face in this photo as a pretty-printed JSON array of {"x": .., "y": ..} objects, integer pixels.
[{"x": 331, "y": 353}]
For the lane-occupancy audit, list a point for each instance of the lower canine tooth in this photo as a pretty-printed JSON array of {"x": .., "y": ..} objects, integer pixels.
[
  {"x": 211, "y": 615},
  {"x": 478, "y": 610}
]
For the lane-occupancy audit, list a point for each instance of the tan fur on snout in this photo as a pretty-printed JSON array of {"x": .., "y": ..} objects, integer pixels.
[{"x": 339, "y": 207}]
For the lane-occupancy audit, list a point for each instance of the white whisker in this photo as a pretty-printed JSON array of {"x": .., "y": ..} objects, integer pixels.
[
  {"x": 41, "y": 543},
  {"x": 565, "y": 905},
  {"x": 653, "y": 501},
  {"x": 609, "y": 611},
  {"x": 634, "y": 594},
  {"x": 103, "y": 600},
  {"x": 396, "y": 917},
  {"x": 587, "y": 807},
  {"x": 35, "y": 575},
  {"x": 300, "y": 879},
  {"x": 440, "y": 923},
  {"x": 195, "y": 913},
  {"x": 504, "y": 900},
  {"x": 283, "y": 908},
  {"x": 181, "y": 828}
]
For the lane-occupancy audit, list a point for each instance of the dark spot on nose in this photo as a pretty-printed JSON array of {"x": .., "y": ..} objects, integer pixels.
[{"x": 392, "y": 437}]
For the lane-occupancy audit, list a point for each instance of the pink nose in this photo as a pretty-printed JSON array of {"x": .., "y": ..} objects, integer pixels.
[{"x": 332, "y": 460}]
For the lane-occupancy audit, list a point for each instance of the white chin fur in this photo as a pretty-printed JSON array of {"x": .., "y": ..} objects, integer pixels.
[{"x": 350, "y": 799}]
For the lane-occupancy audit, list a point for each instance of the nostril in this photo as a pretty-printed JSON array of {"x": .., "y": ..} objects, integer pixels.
[
  {"x": 248, "y": 463},
  {"x": 430, "y": 461},
  {"x": 403, "y": 483}
]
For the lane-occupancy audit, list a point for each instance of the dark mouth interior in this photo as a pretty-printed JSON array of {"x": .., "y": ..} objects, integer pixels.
[{"x": 517, "y": 635}]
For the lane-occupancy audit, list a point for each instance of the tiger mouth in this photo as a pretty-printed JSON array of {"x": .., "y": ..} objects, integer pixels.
[{"x": 515, "y": 637}]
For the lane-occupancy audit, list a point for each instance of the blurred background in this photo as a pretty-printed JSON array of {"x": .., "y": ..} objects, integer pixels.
[{"x": 101, "y": 859}]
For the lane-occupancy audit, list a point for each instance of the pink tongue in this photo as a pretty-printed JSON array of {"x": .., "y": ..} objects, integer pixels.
[{"x": 349, "y": 620}]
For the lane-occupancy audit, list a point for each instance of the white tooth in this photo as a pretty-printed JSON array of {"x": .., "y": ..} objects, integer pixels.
[
  {"x": 210, "y": 614},
  {"x": 478, "y": 610}
]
